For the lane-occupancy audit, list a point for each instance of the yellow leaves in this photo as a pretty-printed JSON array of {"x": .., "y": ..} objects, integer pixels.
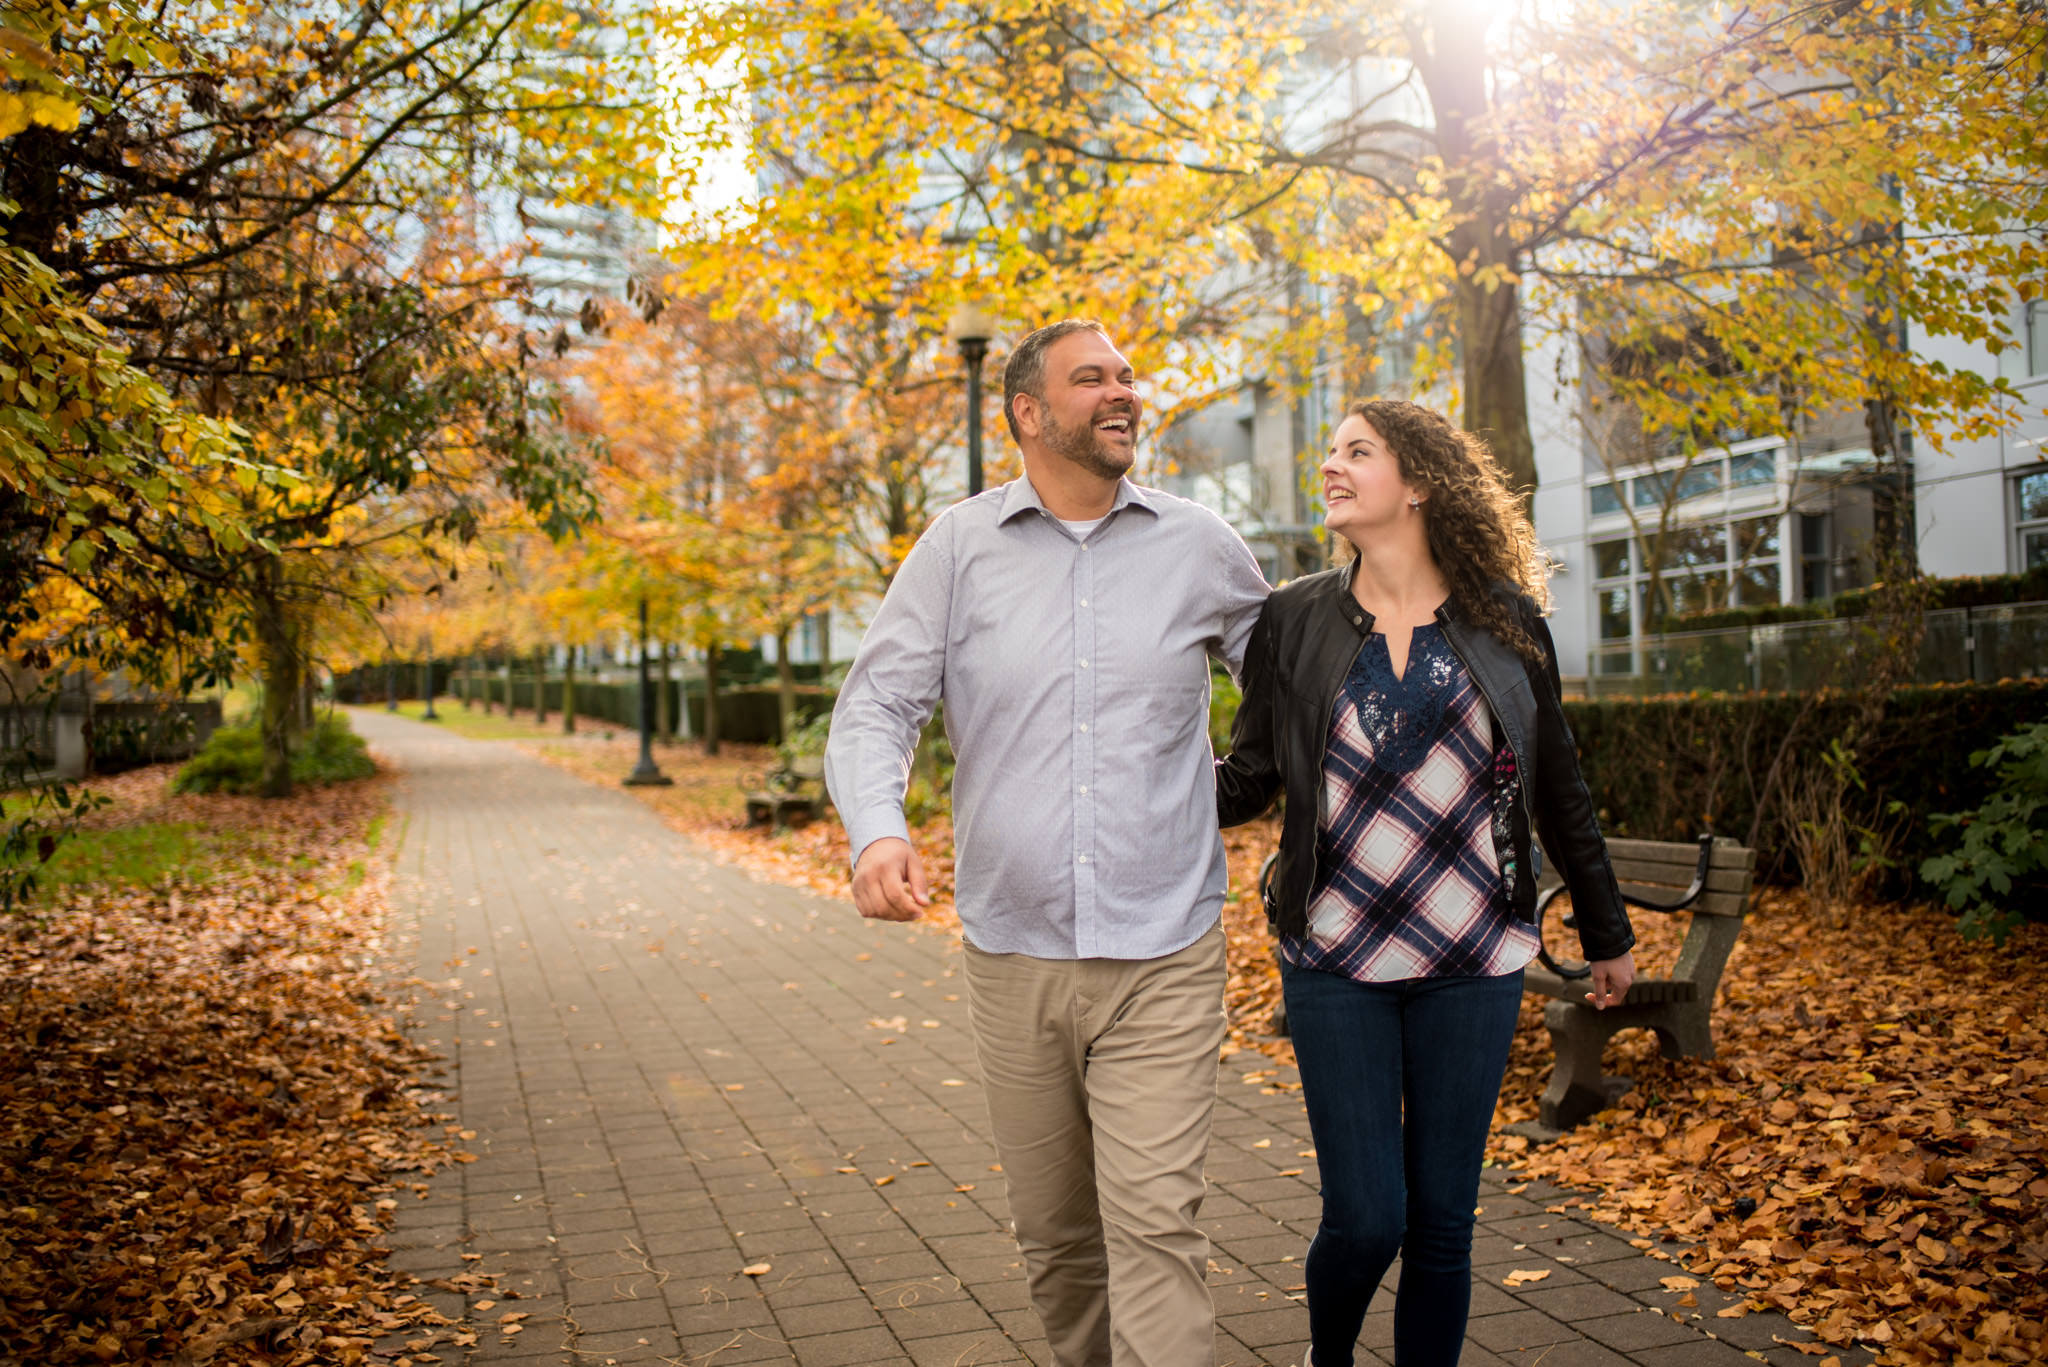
[{"x": 19, "y": 111}]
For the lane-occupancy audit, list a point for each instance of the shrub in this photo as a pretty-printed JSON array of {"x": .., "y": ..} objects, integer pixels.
[
  {"x": 1996, "y": 866},
  {"x": 1224, "y": 699},
  {"x": 1668, "y": 768},
  {"x": 807, "y": 741},
  {"x": 232, "y": 760},
  {"x": 1963, "y": 591}
]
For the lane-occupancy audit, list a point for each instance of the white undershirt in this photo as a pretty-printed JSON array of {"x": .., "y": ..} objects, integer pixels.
[{"x": 1081, "y": 529}]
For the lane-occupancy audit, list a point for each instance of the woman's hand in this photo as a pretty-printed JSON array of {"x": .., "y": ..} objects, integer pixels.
[{"x": 1611, "y": 978}]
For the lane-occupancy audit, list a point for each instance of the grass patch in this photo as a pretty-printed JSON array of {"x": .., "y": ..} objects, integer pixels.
[
  {"x": 448, "y": 715},
  {"x": 145, "y": 855}
]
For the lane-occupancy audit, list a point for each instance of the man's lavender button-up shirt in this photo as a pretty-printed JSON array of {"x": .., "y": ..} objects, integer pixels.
[{"x": 1075, "y": 677}]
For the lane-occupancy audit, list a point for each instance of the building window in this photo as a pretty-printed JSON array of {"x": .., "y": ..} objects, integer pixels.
[
  {"x": 1758, "y": 467},
  {"x": 1699, "y": 479},
  {"x": 1614, "y": 623},
  {"x": 2037, "y": 336},
  {"x": 1705, "y": 567},
  {"x": 2031, "y": 504},
  {"x": 1815, "y": 581},
  {"x": 1611, "y": 558},
  {"x": 1605, "y": 498}
]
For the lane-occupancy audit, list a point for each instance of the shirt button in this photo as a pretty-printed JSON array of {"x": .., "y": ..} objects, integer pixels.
[
  {"x": 1084, "y": 664},
  {"x": 1084, "y": 602},
  {"x": 1358, "y": 621},
  {"x": 1084, "y": 787},
  {"x": 1084, "y": 726},
  {"x": 1081, "y": 859}
]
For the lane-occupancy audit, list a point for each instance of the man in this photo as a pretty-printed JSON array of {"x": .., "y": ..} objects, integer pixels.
[{"x": 1067, "y": 620}]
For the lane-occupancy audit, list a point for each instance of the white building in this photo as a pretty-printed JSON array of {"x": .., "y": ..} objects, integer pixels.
[{"x": 1771, "y": 519}]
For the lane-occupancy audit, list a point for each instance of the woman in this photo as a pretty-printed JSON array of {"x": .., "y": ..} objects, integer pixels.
[{"x": 1407, "y": 704}]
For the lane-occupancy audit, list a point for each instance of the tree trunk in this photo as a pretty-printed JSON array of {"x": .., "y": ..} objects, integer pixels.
[
  {"x": 785, "y": 688},
  {"x": 569, "y": 692},
  {"x": 711, "y": 699},
  {"x": 540, "y": 686},
  {"x": 664, "y": 722},
  {"x": 1496, "y": 382},
  {"x": 1482, "y": 248},
  {"x": 278, "y": 658}
]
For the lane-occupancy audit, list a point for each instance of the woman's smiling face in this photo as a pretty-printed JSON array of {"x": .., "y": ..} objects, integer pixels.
[{"x": 1362, "y": 484}]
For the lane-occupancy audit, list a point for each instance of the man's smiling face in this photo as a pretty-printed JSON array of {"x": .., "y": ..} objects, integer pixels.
[{"x": 1090, "y": 412}]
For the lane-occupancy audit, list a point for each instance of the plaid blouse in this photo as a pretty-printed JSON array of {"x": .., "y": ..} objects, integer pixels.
[{"x": 1409, "y": 878}]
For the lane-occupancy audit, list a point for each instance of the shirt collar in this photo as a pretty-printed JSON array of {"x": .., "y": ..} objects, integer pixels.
[{"x": 1021, "y": 496}]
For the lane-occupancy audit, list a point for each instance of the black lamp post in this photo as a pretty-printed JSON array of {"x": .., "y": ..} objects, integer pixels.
[
  {"x": 430, "y": 714},
  {"x": 646, "y": 774},
  {"x": 970, "y": 328},
  {"x": 390, "y": 683}
]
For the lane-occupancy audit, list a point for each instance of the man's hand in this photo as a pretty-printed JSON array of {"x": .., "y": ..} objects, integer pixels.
[
  {"x": 888, "y": 882},
  {"x": 1611, "y": 978}
]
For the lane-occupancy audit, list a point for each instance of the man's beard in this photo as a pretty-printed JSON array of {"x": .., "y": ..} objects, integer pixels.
[{"x": 1083, "y": 446}]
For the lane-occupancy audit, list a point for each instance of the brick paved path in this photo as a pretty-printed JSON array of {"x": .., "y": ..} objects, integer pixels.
[{"x": 674, "y": 1072}]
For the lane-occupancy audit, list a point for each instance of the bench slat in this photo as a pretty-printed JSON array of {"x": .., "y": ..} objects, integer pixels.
[
  {"x": 1706, "y": 904},
  {"x": 1733, "y": 884},
  {"x": 1727, "y": 854},
  {"x": 1712, "y": 902},
  {"x": 1677, "y": 871},
  {"x": 1642, "y": 992}
]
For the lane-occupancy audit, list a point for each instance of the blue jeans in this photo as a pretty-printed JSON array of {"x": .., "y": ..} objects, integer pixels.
[{"x": 1400, "y": 1080}]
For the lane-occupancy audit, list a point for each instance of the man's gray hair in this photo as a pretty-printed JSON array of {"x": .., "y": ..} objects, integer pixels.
[{"x": 1024, "y": 372}]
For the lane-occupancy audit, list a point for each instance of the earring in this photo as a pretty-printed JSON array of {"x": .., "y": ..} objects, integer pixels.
[{"x": 1415, "y": 503}]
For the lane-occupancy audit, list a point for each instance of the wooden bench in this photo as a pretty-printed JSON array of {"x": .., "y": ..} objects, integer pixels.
[
  {"x": 1711, "y": 880},
  {"x": 789, "y": 794}
]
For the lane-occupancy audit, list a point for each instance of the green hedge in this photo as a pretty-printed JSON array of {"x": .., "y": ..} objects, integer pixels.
[
  {"x": 748, "y": 715},
  {"x": 1966, "y": 591},
  {"x": 1668, "y": 768}
]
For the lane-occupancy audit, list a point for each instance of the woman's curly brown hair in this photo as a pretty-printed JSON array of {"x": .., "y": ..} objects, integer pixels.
[{"x": 1478, "y": 532}]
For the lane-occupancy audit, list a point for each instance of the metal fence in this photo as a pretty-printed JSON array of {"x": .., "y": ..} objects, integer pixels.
[
  {"x": 1962, "y": 645},
  {"x": 28, "y": 739}
]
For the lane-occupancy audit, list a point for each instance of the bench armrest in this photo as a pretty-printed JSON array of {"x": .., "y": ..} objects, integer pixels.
[
  {"x": 1692, "y": 892},
  {"x": 1568, "y": 972},
  {"x": 1680, "y": 903}
]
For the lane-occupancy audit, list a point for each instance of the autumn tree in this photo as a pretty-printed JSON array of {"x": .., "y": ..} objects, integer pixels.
[
  {"x": 887, "y": 202},
  {"x": 1805, "y": 182},
  {"x": 725, "y": 483},
  {"x": 306, "y": 223}
]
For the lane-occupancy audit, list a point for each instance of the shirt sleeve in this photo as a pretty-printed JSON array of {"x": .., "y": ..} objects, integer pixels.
[
  {"x": 1241, "y": 592},
  {"x": 895, "y": 680}
]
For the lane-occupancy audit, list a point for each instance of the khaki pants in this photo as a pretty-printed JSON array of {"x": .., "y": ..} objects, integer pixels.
[{"x": 1101, "y": 1082}]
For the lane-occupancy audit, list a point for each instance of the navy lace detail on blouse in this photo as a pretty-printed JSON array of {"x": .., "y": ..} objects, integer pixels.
[{"x": 1403, "y": 716}]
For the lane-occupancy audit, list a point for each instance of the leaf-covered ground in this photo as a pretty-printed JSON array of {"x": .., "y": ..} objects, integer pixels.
[
  {"x": 206, "y": 1113},
  {"x": 1866, "y": 1153}
]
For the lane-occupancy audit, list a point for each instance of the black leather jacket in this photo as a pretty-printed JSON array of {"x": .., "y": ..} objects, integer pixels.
[{"x": 1300, "y": 652}]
